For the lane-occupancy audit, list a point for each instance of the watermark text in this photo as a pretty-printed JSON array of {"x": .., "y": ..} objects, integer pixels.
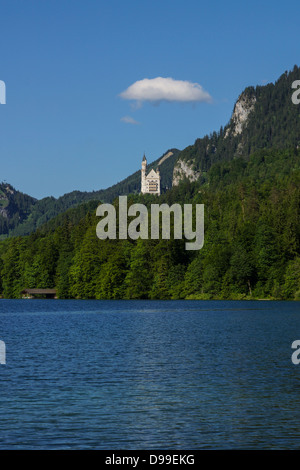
[
  {"x": 296, "y": 94},
  {"x": 159, "y": 224},
  {"x": 2, "y": 92},
  {"x": 296, "y": 354},
  {"x": 2, "y": 352}
]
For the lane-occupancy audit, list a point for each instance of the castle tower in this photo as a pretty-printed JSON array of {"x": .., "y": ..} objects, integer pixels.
[{"x": 143, "y": 176}]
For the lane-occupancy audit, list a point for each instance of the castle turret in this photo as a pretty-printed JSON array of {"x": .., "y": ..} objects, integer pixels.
[{"x": 143, "y": 176}]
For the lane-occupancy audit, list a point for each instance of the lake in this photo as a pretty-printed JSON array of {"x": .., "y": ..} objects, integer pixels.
[{"x": 149, "y": 375}]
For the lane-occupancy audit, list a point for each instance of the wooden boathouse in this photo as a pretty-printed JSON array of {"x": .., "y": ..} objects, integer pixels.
[{"x": 39, "y": 294}]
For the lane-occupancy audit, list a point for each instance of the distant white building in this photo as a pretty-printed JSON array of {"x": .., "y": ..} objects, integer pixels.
[{"x": 149, "y": 183}]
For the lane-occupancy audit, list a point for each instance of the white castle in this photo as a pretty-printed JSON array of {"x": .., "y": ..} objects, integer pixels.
[{"x": 149, "y": 183}]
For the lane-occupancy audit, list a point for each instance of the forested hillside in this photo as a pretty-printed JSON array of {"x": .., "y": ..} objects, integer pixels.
[
  {"x": 248, "y": 178},
  {"x": 21, "y": 214},
  {"x": 263, "y": 117},
  {"x": 15, "y": 207},
  {"x": 251, "y": 249}
]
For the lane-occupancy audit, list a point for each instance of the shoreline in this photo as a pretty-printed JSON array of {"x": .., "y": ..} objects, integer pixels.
[{"x": 234, "y": 299}]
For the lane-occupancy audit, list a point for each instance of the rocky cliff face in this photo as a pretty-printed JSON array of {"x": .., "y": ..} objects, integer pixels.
[
  {"x": 3, "y": 212},
  {"x": 239, "y": 118},
  {"x": 5, "y": 193},
  {"x": 183, "y": 170},
  {"x": 207, "y": 150},
  {"x": 14, "y": 207}
]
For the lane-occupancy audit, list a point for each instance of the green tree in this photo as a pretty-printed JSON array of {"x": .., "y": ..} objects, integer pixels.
[{"x": 291, "y": 287}]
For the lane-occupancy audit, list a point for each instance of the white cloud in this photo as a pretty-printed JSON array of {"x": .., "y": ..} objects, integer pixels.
[
  {"x": 129, "y": 120},
  {"x": 165, "y": 89}
]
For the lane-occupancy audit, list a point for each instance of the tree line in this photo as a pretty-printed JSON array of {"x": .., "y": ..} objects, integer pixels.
[{"x": 251, "y": 247}]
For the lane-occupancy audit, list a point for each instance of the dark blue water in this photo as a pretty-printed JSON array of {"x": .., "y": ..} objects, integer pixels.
[{"x": 149, "y": 375}]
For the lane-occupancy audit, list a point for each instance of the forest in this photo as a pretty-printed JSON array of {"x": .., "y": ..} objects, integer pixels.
[
  {"x": 22, "y": 214},
  {"x": 273, "y": 123},
  {"x": 251, "y": 242},
  {"x": 249, "y": 185}
]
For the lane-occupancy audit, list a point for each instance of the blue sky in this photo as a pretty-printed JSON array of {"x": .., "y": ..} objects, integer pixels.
[{"x": 65, "y": 64}]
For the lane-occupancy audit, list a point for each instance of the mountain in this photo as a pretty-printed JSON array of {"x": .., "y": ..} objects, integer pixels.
[
  {"x": 21, "y": 214},
  {"x": 248, "y": 178},
  {"x": 263, "y": 117},
  {"x": 15, "y": 207}
]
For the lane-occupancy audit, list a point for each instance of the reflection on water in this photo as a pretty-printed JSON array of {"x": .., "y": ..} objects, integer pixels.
[{"x": 149, "y": 375}]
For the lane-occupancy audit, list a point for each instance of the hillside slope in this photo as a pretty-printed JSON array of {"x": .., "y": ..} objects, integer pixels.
[
  {"x": 21, "y": 214},
  {"x": 251, "y": 247},
  {"x": 15, "y": 207},
  {"x": 248, "y": 178},
  {"x": 263, "y": 117}
]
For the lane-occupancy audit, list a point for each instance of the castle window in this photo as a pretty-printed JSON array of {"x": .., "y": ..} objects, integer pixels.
[{"x": 153, "y": 186}]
